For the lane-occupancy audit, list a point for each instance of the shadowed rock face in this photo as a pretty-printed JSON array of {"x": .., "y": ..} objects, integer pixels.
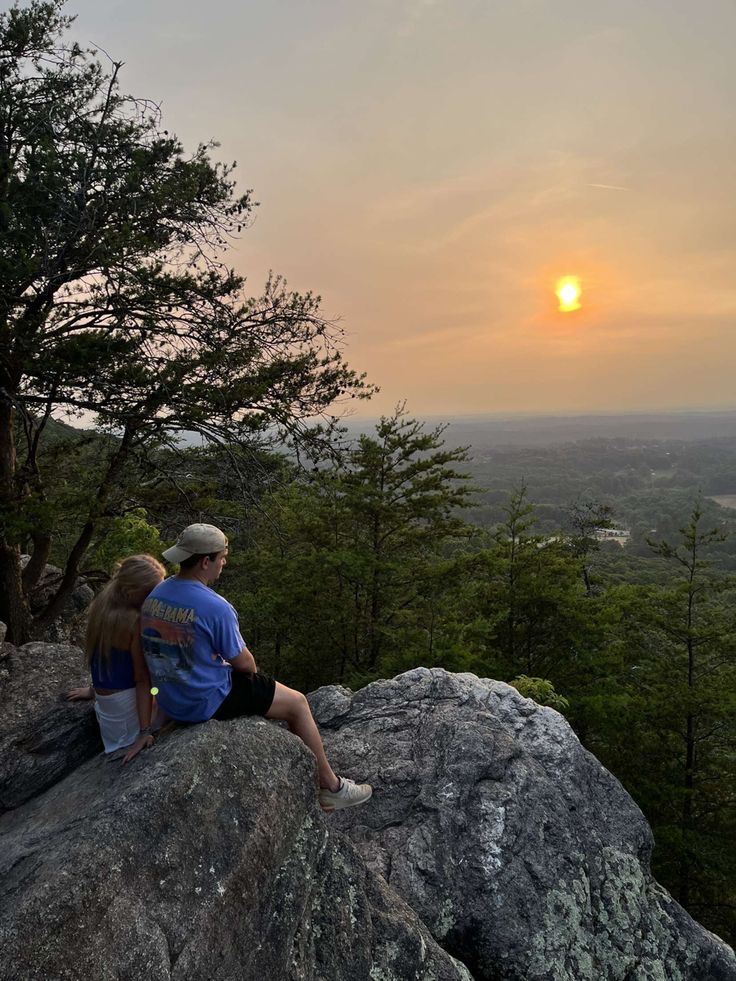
[
  {"x": 206, "y": 858},
  {"x": 42, "y": 737},
  {"x": 523, "y": 855}
]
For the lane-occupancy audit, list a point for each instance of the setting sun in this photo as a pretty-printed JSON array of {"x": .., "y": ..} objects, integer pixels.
[{"x": 568, "y": 293}]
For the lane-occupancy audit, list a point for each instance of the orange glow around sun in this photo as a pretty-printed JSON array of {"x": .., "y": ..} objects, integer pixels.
[{"x": 568, "y": 292}]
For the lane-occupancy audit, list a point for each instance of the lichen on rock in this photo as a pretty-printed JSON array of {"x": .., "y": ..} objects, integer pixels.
[
  {"x": 494, "y": 847},
  {"x": 526, "y": 858}
]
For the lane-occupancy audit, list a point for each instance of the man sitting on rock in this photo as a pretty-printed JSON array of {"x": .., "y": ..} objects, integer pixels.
[{"x": 202, "y": 668}]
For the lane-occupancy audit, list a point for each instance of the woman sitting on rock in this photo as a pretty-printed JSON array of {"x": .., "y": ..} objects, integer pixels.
[{"x": 121, "y": 685}]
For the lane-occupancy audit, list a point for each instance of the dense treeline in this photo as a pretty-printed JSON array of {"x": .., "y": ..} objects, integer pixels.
[{"x": 650, "y": 483}]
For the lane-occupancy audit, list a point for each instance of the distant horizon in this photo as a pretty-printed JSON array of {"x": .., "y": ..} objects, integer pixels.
[
  {"x": 500, "y": 416},
  {"x": 486, "y": 431},
  {"x": 555, "y": 414}
]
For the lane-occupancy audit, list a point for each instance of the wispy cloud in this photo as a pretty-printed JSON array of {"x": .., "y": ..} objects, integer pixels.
[{"x": 609, "y": 187}]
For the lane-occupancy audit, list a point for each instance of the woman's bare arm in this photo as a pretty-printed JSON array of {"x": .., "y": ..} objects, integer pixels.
[
  {"x": 142, "y": 680},
  {"x": 142, "y": 695}
]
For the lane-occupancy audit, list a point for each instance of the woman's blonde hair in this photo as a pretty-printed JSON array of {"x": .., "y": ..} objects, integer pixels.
[{"x": 114, "y": 611}]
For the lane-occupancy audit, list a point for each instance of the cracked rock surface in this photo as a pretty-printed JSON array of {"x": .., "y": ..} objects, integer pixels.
[
  {"x": 523, "y": 855},
  {"x": 205, "y": 858},
  {"x": 491, "y": 833},
  {"x": 42, "y": 737}
]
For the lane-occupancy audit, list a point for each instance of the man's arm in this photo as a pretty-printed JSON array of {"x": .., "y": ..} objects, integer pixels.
[{"x": 244, "y": 662}]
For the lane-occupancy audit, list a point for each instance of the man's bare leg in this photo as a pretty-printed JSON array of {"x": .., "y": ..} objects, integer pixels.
[{"x": 293, "y": 708}]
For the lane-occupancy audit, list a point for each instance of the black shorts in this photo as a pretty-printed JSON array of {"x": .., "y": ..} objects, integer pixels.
[{"x": 251, "y": 694}]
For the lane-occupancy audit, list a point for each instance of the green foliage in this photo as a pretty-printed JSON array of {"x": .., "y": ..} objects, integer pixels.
[
  {"x": 648, "y": 484},
  {"x": 128, "y": 534},
  {"x": 541, "y": 691},
  {"x": 352, "y": 562},
  {"x": 664, "y": 723},
  {"x": 523, "y": 609}
]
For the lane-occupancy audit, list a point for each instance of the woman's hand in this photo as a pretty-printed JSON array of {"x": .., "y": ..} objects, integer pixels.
[
  {"x": 80, "y": 694},
  {"x": 144, "y": 741}
]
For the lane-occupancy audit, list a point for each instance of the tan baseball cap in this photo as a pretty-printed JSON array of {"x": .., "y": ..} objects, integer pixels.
[{"x": 196, "y": 540}]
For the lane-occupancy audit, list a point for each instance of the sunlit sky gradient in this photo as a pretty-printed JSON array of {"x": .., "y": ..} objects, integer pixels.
[{"x": 433, "y": 168}]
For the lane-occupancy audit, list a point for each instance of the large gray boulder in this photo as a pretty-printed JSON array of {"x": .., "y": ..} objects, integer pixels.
[
  {"x": 524, "y": 856},
  {"x": 205, "y": 859},
  {"x": 42, "y": 737},
  {"x": 208, "y": 858}
]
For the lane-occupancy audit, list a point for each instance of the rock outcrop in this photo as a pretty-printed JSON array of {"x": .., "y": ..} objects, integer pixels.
[
  {"x": 523, "y": 855},
  {"x": 494, "y": 842},
  {"x": 42, "y": 737},
  {"x": 205, "y": 859}
]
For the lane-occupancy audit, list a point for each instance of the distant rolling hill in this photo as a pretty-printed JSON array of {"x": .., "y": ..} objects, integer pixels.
[{"x": 491, "y": 431}]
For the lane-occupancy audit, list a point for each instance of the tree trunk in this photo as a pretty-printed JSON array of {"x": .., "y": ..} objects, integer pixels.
[
  {"x": 374, "y": 638},
  {"x": 39, "y": 557},
  {"x": 71, "y": 570},
  {"x": 687, "y": 815},
  {"x": 343, "y": 660},
  {"x": 686, "y": 827},
  {"x": 511, "y": 617},
  {"x": 374, "y": 642},
  {"x": 41, "y": 539},
  {"x": 356, "y": 627},
  {"x": 586, "y": 580},
  {"x": 56, "y": 604},
  {"x": 14, "y": 611}
]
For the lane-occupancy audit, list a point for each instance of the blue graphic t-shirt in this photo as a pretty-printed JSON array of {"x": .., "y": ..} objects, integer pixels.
[{"x": 188, "y": 635}]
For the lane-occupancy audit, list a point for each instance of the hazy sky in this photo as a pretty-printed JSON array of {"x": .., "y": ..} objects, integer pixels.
[{"x": 432, "y": 168}]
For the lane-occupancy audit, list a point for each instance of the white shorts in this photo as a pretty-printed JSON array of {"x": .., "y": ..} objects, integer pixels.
[{"x": 118, "y": 718}]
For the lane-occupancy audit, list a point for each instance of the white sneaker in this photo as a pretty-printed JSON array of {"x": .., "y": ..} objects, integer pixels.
[{"x": 348, "y": 794}]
